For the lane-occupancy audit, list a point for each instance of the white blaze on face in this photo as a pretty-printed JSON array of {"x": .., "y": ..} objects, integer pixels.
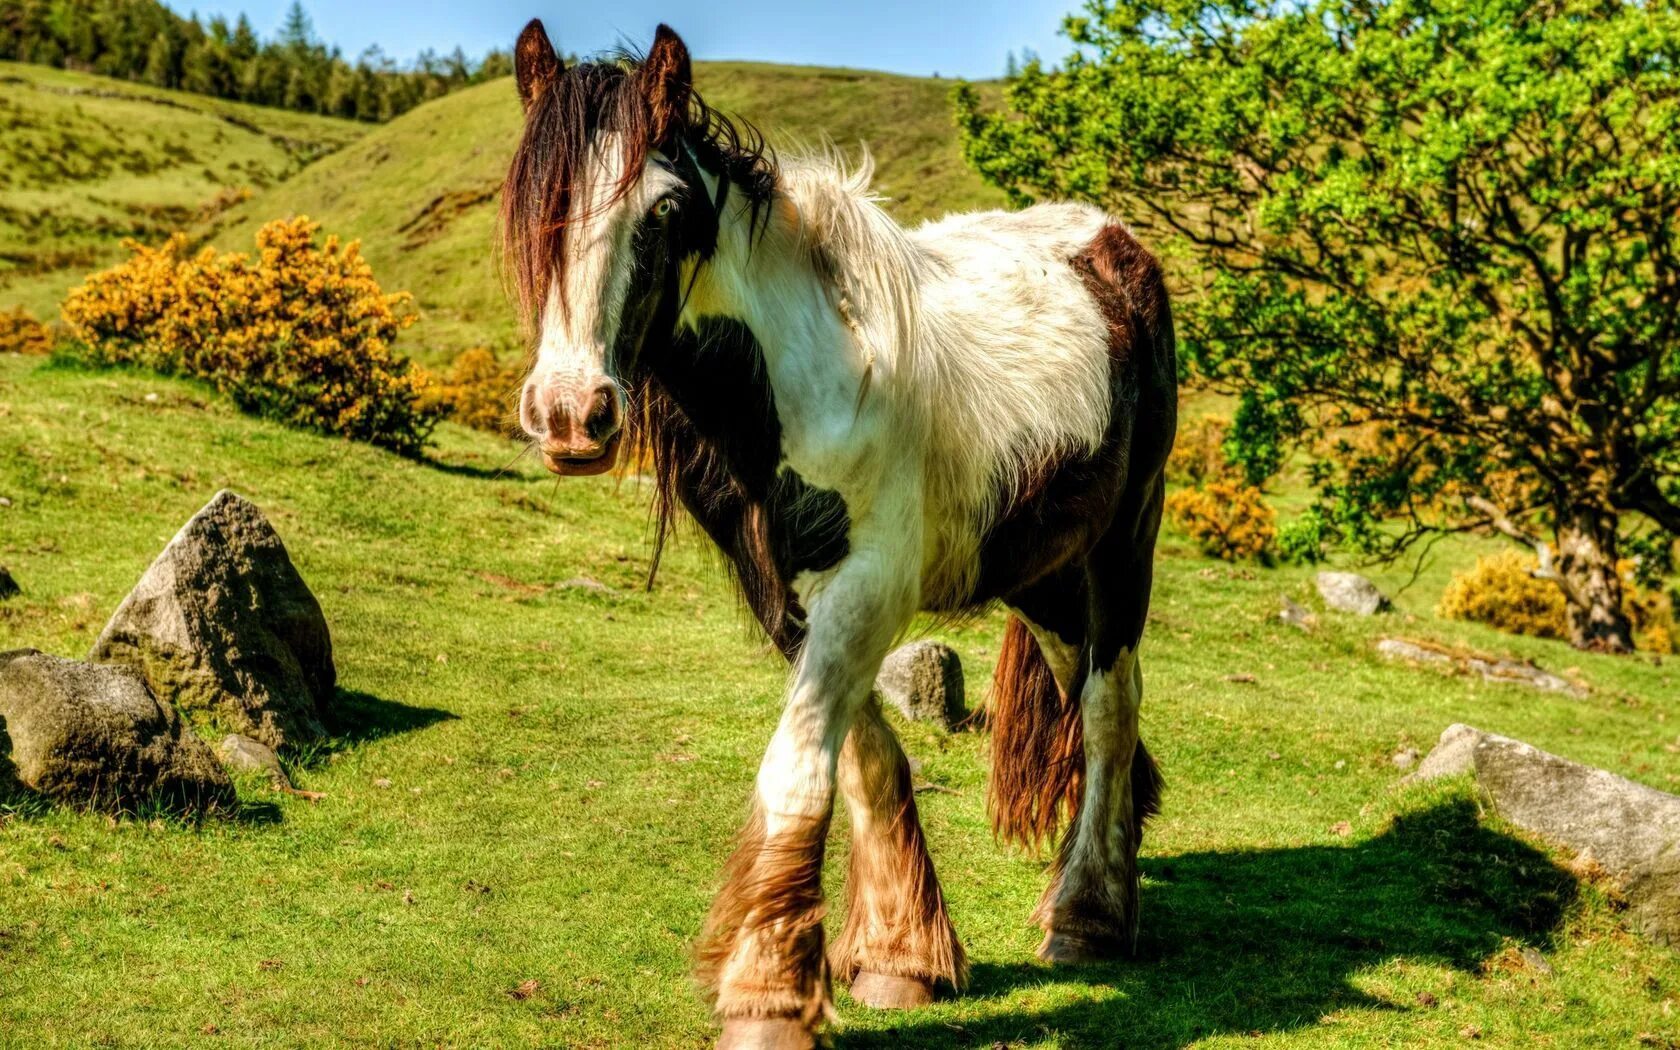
[{"x": 584, "y": 308}]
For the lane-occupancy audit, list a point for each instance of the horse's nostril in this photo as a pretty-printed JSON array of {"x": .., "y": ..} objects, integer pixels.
[{"x": 602, "y": 421}]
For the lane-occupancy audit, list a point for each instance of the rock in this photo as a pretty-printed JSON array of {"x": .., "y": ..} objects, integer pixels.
[
  {"x": 91, "y": 734},
  {"x": 1491, "y": 669},
  {"x": 241, "y": 754},
  {"x": 924, "y": 681},
  {"x": 1296, "y": 615},
  {"x": 1631, "y": 831},
  {"x": 222, "y": 623},
  {"x": 1405, "y": 758},
  {"x": 8, "y": 586},
  {"x": 1350, "y": 592}
]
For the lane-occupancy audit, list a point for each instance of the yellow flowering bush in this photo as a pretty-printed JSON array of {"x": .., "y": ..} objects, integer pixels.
[
  {"x": 1502, "y": 592},
  {"x": 301, "y": 332},
  {"x": 1230, "y": 520},
  {"x": 21, "y": 333},
  {"x": 478, "y": 390}
]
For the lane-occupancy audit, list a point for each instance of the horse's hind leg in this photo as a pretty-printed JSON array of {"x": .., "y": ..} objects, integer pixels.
[
  {"x": 1090, "y": 910},
  {"x": 898, "y": 944}
]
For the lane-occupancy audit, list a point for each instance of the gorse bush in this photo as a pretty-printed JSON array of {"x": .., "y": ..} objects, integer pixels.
[
  {"x": 300, "y": 333},
  {"x": 1502, "y": 592},
  {"x": 477, "y": 391},
  {"x": 21, "y": 333},
  {"x": 1228, "y": 519}
]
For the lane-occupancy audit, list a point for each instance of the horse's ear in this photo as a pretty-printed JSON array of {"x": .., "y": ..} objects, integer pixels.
[
  {"x": 535, "y": 63},
  {"x": 667, "y": 80}
]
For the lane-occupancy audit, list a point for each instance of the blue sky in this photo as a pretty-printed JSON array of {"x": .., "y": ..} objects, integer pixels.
[{"x": 914, "y": 36}]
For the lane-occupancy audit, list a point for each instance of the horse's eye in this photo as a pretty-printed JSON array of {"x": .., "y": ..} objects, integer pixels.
[{"x": 663, "y": 208}]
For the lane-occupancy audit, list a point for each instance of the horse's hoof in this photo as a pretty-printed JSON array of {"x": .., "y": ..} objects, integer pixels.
[
  {"x": 1064, "y": 949},
  {"x": 888, "y": 992},
  {"x": 766, "y": 1033}
]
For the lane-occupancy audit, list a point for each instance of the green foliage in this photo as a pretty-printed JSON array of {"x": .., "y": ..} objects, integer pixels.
[
  {"x": 145, "y": 41},
  {"x": 1305, "y": 538},
  {"x": 1460, "y": 217}
]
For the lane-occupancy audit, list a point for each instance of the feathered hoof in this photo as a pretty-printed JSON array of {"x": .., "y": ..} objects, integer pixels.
[
  {"x": 888, "y": 992},
  {"x": 766, "y": 1033},
  {"x": 1066, "y": 949}
]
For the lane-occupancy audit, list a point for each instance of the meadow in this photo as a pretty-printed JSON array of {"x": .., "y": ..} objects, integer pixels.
[
  {"x": 537, "y": 767},
  {"x": 537, "y": 762}
]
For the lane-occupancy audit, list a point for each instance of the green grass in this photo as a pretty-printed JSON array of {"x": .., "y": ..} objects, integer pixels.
[
  {"x": 567, "y": 767},
  {"x": 86, "y": 161},
  {"x": 419, "y": 191}
]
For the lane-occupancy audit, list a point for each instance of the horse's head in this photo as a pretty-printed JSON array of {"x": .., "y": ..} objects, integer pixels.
[{"x": 603, "y": 203}]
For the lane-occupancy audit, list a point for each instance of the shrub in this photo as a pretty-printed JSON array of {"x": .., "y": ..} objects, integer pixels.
[
  {"x": 1198, "y": 453},
  {"x": 1502, "y": 592},
  {"x": 1305, "y": 538},
  {"x": 1228, "y": 519},
  {"x": 478, "y": 390},
  {"x": 301, "y": 333},
  {"x": 21, "y": 333}
]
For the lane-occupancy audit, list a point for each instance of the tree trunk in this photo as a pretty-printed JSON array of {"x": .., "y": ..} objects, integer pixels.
[{"x": 1587, "y": 563}]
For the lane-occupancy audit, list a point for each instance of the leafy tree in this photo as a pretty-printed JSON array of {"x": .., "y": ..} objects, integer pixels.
[{"x": 1429, "y": 244}]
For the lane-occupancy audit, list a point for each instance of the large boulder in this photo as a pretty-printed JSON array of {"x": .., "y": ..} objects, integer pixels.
[
  {"x": 1350, "y": 592},
  {"x": 222, "y": 623},
  {"x": 924, "y": 680},
  {"x": 92, "y": 734},
  {"x": 1629, "y": 830}
]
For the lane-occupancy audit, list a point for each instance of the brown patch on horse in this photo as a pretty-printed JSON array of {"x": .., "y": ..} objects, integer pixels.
[
  {"x": 896, "y": 919},
  {"x": 1127, "y": 284},
  {"x": 772, "y": 895},
  {"x": 1038, "y": 744}
]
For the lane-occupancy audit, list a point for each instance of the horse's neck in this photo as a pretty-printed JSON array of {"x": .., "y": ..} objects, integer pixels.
[{"x": 785, "y": 284}]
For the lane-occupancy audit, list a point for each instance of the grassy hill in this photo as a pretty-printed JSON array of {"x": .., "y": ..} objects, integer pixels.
[
  {"x": 419, "y": 191},
  {"x": 536, "y": 781},
  {"x": 86, "y": 161}
]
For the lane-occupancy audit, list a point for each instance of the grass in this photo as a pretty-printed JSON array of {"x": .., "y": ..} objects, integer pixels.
[
  {"x": 420, "y": 191},
  {"x": 566, "y": 766},
  {"x": 86, "y": 161}
]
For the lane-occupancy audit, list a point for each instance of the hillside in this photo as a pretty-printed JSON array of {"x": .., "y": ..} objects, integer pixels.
[
  {"x": 86, "y": 161},
  {"x": 419, "y": 191},
  {"x": 534, "y": 782}
]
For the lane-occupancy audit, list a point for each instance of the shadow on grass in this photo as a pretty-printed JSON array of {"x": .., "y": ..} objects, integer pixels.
[
  {"x": 357, "y": 718},
  {"x": 1266, "y": 941}
]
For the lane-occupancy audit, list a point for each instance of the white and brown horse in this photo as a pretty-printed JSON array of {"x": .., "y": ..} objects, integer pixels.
[{"x": 868, "y": 421}]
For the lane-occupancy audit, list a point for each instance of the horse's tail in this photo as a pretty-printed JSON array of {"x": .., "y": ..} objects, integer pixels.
[
  {"x": 1038, "y": 744},
  {"x": 1038, "y": 749}
]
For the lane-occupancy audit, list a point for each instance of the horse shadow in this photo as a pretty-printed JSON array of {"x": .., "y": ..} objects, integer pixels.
[{"x": 1266, "y": 941}]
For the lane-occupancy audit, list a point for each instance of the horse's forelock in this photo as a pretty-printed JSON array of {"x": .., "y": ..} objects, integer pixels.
[{"x": 562, "y": 125}]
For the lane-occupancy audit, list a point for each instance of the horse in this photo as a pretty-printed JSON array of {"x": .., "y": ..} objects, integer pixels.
[{"x": 868, "y": 422}]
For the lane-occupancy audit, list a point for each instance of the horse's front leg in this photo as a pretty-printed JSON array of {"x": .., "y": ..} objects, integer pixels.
[{"x": 762, "y": 952}]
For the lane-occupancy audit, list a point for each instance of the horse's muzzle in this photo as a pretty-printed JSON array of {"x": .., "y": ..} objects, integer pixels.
[{"x": 570, "y": 461}]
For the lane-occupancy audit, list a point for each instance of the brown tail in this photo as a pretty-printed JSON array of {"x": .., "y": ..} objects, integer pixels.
[{"x": 1038, "y": 744}]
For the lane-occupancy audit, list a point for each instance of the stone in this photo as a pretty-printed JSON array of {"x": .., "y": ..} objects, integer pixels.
[
  {"x": 924, "y": 680},
  {"x": 94, "y": 735},
  {"x": 223, "y": 624},
  {"x": 8, "y": 586},
  {"x": 1405, "y": 758},
  {"x": 1631, "y": 831},
  {"x": 1296, "y": 615},
  {"x": 1492, "y": 669},
  {"x": 241, "y": 754},
  {"x": 1350, "y": 592}
]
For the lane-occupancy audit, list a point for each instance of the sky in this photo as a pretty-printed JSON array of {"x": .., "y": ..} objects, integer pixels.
[{"x": 921, "y": 37}]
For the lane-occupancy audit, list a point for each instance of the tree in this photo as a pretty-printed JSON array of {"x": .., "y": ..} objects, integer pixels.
[{"x": 1430, "y": 244}]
